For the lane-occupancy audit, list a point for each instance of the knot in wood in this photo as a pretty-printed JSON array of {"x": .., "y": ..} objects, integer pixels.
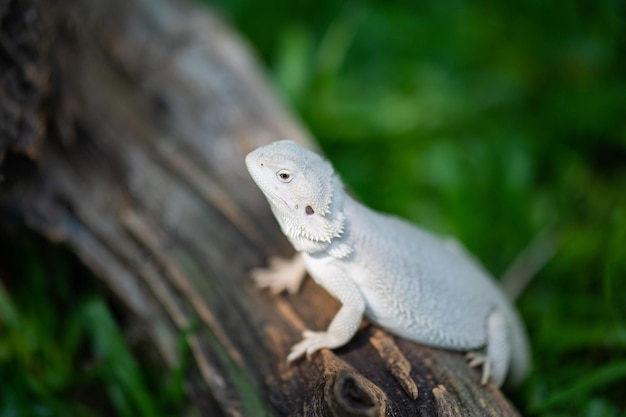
[{"x": 353, "y": 395}]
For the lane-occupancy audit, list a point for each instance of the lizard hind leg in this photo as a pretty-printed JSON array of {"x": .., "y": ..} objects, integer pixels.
[{"x": 495, "y": 362}]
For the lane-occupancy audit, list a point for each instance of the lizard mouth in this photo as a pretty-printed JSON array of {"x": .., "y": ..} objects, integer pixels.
[{"x": 282, "y": 200}]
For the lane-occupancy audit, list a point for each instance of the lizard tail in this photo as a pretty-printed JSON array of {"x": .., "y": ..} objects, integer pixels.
[{"x": 529, "y": 262}]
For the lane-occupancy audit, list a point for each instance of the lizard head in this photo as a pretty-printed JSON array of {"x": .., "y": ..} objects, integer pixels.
[{"x": 299, "y": 186}]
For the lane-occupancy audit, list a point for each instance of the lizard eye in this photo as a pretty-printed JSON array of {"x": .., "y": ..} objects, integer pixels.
[{"x": 284, "y": 175}]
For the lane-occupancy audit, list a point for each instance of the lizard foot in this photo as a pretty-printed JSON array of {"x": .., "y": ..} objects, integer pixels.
[
  {"x": 478, "y": 359},
  {"x": 312, "y": 342},
  {"x": 282, "y": 275}
]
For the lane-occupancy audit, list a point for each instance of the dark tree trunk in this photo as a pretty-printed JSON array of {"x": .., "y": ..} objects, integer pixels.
[{"x": 123, "y": 130}]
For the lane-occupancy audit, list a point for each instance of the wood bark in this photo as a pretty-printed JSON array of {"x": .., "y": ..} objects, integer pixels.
[{"x": 123, "y": 126}]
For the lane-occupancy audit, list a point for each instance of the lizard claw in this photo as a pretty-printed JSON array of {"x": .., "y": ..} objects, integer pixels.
[
  {"x": 478, "y": 359},
  {"x": 312, "y": 342}
]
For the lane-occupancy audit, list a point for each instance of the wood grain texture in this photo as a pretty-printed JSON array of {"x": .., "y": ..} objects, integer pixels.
[{"x": 145, "y": 114}]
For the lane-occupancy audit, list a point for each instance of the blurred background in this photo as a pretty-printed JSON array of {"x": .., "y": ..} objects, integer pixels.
[{"x": 501, "y": 123}]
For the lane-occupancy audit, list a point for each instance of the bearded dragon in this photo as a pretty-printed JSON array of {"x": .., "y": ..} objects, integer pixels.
[{"x": 402, "y": 278}]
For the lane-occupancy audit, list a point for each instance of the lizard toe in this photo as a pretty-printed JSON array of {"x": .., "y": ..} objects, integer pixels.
[{"x": 475, "y": 360}]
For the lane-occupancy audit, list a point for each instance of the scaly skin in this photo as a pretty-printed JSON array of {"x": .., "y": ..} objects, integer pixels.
[{"x": 404, "y": 279}]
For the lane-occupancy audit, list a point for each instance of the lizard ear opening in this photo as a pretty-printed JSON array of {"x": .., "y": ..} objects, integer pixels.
[{"x": 309, "y": 210}]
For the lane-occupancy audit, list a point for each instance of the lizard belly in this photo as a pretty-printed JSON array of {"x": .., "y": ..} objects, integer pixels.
[
  {"x": 417, "y": 315},
  {"x": 421, "y": 319}
]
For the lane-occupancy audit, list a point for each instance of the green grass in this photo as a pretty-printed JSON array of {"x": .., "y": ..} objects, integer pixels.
[
  {"x": 62, "y": 352},
  {"x": 495, "y": 122}
]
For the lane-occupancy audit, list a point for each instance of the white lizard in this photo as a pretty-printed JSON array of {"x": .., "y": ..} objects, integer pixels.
[{"x": 404, "y": 279}]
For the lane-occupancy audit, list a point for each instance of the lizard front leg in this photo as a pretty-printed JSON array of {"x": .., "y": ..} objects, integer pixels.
[
  {"x": 345, "y": 323},
  {"x": 282, "y": 274}
]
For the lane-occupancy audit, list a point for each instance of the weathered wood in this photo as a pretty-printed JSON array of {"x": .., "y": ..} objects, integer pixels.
[{"x": 147, "y": 109}]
